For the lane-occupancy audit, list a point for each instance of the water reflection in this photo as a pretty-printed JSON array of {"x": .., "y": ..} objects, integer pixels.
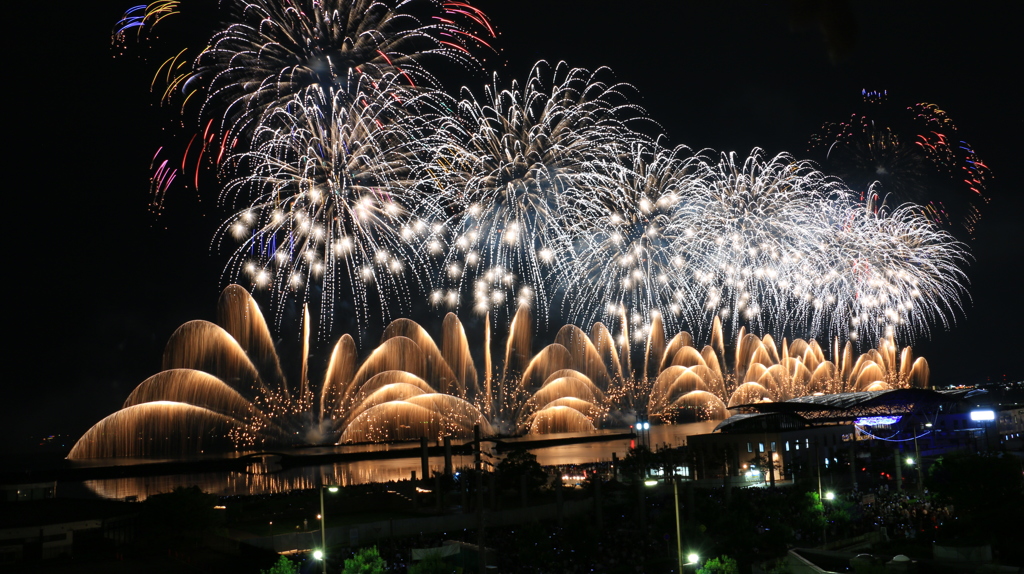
[
  {"x": 242, "y": 483},
  {"x": 659, "y": 435},
  {"x": 266, "y": 477}
]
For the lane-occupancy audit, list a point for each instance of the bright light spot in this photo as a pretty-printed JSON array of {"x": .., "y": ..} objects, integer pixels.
[
  {"x": 982, "y": 415},
  {"x": 986, "y": 415}
]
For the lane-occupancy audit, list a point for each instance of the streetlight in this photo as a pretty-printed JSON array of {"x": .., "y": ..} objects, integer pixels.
[
  {"x": 319, "y": 554},
  {"x": 692, "y": 559},
  {"x": 824, "y": 529},
  {"x": 679, "y": 538}
]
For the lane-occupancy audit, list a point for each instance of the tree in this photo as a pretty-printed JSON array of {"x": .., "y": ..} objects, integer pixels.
[
  {"x": 282, "y": 566},
  {"x": 766, "y": 463},
  {"x": 365, "y": 561},
  {"x": 185, "y": 513},
  {"x": 640, "y": 459},
  {"x": 520, "y": 463},
  {"x": 721, "y": 565}
]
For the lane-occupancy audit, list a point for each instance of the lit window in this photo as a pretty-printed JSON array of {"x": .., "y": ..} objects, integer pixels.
[
  {"x": 773, "y": 446},
  {"x": 750, "y": 448},
  {"x": 787, "y": 446}
]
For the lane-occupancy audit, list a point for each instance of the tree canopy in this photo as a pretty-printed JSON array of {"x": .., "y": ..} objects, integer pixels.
[{"x": 365, "y": 561}]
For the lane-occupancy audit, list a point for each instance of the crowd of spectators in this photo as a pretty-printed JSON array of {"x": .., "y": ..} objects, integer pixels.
[{"x": 903, "y": 514}]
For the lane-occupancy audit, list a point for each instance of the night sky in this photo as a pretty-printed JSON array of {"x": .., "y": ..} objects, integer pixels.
[{"x": 98, "y": 283}]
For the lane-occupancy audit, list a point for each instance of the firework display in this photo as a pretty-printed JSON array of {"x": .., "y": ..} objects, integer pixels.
[
  {"x": 223, "y": 385},
  {"x": 910, "y": 154},
  {"x": 330, "y": 201},
  {"x": 784, "y": 249},
  {"x": 272, "y": 52},
  {"x": 628, "y": 238},
  {"x": 351, "y": 179},
  {"x": 517, "y": 163},
  {"x": 351, "y": 176}
]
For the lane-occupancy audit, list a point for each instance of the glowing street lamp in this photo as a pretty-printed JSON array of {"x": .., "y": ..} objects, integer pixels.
[
  {"x": 679, "y": 536},
  {"x": 829, "y": 495},
  {"x": 319, "y": 554}
]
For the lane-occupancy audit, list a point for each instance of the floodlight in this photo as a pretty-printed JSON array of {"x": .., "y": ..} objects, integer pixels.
[{"x": 983, "y": 415}]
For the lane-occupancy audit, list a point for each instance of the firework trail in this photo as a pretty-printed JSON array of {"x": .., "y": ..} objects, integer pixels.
[
  {"x": 747, "y": 226},
  {"x": 882, "y": 274},
  {"x": 273, "y": 52},
  {"x": 137, "y": 21},
  {"x": 269, "y": 53},
  {"x": 330, "y": 203},
  {"x": 629, "y": 244},
  {"x": 779, "y": 247},
  {"x": 908, "y": 154},
  {"x": 516, "y": 159},
  {"x": 348, "y": 171}
]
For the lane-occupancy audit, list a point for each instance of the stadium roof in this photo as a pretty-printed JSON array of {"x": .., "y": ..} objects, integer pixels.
[
  {"x": 761, "y": 422},
  {"x": 847, "y": 406}
]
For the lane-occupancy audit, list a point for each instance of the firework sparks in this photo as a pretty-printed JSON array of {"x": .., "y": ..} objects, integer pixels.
[
  {"x": 272, "y": 53},
  {"x": 329, "y": 202},
  {"x": 629, "y": 240},
  {"x": 908, "y": 154},
  {"x": 516, "y": 160}
]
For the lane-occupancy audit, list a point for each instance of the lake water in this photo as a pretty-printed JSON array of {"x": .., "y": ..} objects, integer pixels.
[{"x": 260, "y": 480}]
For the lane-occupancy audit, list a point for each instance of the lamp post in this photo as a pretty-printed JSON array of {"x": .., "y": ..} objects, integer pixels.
[
  {"x": 323, "y": 530},
  {"x": 917, "y": 458},
  {"x": 323, "y": 527},
  {"x": 824, "y": 529},
  {"x": 679, "y": 538}
]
